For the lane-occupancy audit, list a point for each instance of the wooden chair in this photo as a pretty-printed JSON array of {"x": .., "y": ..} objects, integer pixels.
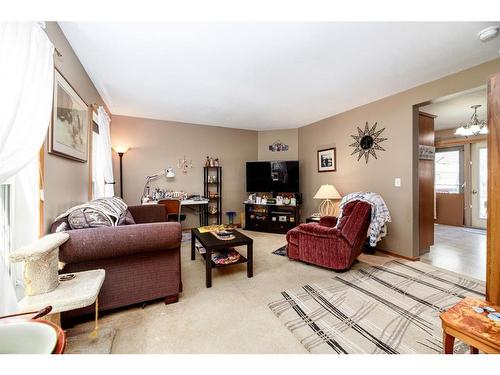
[
  {"x": 173, "y": 208},
  {"x": 470, "y": 327}
]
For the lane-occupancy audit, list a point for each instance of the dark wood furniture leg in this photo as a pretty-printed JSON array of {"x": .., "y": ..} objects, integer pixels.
[
  {"x": 208, "y": 265},
  {"x": 171, "y": 299},
  {"x": 448, "y": 342},
  {"x": 193, "y": 242},
  {"x": 200, "y": 213},
  {"x": 474, "y": 350},
  {"x": 250, "y": 259}
]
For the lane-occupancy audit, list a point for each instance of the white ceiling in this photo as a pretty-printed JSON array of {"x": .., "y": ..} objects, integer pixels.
[
  {"x": 266, "y": 75},
  {"x": 453, "y": 112}
]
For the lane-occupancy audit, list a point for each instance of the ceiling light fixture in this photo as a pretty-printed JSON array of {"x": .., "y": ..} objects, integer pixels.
[
  {"x": 488, "y": 33},
  {"x": 474, "y": 126}
]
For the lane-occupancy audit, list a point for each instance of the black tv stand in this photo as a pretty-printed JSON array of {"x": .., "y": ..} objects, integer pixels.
[{"x": 271, "y": 218}]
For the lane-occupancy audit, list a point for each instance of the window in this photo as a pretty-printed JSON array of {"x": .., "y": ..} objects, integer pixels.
[
  {"x": 19, "y": 217},
  {"x": 448, "y": 171}
]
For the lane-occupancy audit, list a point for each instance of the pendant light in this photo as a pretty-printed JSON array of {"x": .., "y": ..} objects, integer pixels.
[{"x": 474, "y": 126}]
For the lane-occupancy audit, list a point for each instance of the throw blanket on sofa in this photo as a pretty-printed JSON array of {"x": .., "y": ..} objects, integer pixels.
[
  {"x": 379, "y": 217},
  {"x": 105, "y": 211}
]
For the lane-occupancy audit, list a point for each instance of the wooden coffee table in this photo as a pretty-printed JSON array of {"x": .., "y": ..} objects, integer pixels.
[
  {"x": 211, "y": 243},
  {"x": 475, "y": 329}
]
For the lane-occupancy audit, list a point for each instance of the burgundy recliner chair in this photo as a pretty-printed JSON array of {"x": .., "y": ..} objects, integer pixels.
[{"x": 326, "y": 245}]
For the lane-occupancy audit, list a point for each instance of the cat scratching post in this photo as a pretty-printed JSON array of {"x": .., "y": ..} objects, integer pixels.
[
  {"x": 41, "y": 263},
  {"x": 42, "y": 286}
]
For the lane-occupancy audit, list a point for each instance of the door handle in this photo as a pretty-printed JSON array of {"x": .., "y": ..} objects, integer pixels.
[{"x": 474, "y": 191}]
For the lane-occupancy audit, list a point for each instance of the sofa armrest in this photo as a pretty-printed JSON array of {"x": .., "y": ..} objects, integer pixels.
[
  {"x": 108, "y": 242},
  {"x": 148, "y": 213}
]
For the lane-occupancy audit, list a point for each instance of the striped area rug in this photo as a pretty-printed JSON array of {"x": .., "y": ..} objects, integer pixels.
[{"x": 389, "y": 309}]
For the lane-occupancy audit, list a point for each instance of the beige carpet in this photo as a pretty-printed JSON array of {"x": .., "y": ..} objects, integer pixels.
[
  {"x": 231, "y": 317},
  {"x": 389, "y": 309},
  {"x": 80, "y": 342}
]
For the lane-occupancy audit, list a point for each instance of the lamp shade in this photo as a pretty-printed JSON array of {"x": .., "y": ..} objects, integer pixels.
[
  {"x": 121, "y": 149},
  {"x": 170, "y": 173},
  {"x": 327, "y": 192}
]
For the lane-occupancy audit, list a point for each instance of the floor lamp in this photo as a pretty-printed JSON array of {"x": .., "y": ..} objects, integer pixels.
[
  {"x": 121, "y": 150},
  {"x": 327, "y": 192}
]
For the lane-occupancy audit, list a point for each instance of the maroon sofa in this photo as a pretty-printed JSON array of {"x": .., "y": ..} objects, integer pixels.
[
  {"x": 142, "y": 261},
  {"x": 325, "y": 245}
]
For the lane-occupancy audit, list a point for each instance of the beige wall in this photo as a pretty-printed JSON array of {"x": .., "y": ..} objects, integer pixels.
[
  {"x": 157, "y": 144},
  {"x": 394, "y": 113},
  {"x": 66, "y": 181},
  {"x": 286, "y": 136}
]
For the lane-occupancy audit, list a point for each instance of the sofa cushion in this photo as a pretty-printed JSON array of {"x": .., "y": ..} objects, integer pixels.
[
  {"x": 126, "y": 218},
  {"x": 82, "y": 218}
]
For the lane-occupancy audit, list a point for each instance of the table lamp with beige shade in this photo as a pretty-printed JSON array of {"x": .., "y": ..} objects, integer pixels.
[{"x": 327, "y": 193}]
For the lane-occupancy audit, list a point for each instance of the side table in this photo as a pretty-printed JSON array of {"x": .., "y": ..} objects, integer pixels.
[
  {"x": 473, "y": 328},
  {"x": 72, "y": 294},
  {"x": 81, "y": 291}
]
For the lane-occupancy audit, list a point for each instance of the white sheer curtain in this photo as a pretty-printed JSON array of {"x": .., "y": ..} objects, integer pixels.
[
  {"x": 103, "y": 162},
  {"x": 26, "y": 76},
  {"x": 26, "y": 88}
]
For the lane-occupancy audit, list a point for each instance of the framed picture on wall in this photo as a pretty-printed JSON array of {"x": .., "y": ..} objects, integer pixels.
[
  {"x": 69, "y": 128},
  {"x": 327, "y": 160}
]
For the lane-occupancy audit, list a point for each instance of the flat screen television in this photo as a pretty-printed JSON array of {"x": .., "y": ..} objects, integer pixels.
[{"x": 273, "y": 176}]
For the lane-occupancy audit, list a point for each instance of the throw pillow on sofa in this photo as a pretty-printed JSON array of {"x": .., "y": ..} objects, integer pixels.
[
  {"x": 96, "y": 213},
  {"x": 88, "y": 218}
]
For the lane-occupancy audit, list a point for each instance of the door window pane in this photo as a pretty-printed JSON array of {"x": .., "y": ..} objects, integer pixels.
[
  {"x": 447, "y": 171},
  {"x": 483, "y": 183}
]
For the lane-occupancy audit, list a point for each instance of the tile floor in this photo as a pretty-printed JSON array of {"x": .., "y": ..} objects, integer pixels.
[{"x": 458, "y": 249}]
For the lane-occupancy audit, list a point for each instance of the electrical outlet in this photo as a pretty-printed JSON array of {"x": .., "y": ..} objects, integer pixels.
[{"x": 397, "y": 182}]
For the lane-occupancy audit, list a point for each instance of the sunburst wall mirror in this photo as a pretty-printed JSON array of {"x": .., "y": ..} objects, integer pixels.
[{"x": 367, "y": 142}]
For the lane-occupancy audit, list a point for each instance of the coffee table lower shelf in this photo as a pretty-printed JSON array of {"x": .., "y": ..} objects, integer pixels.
[{"x": 215, "y": 265}]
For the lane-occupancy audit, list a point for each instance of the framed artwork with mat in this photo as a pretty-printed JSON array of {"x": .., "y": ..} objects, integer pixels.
[{"x": 69, "y": 128}]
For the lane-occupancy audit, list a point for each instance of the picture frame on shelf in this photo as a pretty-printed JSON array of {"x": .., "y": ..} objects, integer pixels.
[
  {"x": 327, "y": 160},
  {"x": 69, "y": 128}
]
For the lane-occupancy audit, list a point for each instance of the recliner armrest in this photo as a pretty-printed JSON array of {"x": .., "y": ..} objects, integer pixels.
[
  {"x": 328, "y": 221},
  {"x": 108, "y": 242},
  {"x": 317, "y": 230}
]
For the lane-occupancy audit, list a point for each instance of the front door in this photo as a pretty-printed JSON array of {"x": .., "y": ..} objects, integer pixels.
[{"x": 479, "y": 184}]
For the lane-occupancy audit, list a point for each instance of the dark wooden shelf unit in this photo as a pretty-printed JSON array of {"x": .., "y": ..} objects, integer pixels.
[
  {"x": 271, "y": 218},
  {"x": 209, "y": 188}
]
